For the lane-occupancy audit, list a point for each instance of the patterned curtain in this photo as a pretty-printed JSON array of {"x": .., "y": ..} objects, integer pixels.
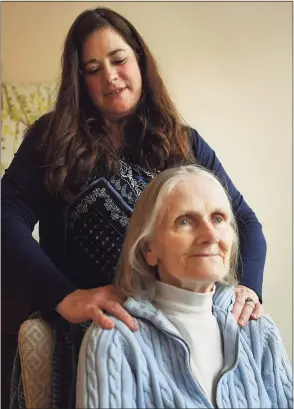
[{"x": 21, "y": 105}]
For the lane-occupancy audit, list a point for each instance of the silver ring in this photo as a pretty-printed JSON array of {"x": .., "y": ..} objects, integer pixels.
[{"x": 248, "y": 300}]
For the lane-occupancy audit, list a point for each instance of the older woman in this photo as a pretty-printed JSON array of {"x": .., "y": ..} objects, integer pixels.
[{"x": 177, "y": 267}]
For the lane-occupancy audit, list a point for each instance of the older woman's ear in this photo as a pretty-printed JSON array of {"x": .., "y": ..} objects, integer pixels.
[{"x": 150, "y": 256}]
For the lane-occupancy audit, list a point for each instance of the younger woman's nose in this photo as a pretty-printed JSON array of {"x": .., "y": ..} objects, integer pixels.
[{"x": 110, "y": 74}]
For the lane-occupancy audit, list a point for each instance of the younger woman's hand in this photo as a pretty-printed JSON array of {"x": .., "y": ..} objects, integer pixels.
[
  {"x": 244, "y": 310},
  {"x": 83, "y": 305}
]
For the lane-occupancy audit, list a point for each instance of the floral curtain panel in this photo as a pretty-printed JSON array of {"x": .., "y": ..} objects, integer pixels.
[{"x": 21, "y": 105}]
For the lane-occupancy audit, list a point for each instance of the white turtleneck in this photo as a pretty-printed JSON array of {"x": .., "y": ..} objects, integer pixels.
[{"x": 191, "y": 314}]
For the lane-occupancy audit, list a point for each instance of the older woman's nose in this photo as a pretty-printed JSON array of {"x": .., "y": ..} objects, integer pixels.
[{"x": 207, "y": 233}]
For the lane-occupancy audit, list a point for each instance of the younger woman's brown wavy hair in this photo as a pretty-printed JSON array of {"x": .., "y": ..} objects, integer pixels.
[{"x": 76, "y": 142}]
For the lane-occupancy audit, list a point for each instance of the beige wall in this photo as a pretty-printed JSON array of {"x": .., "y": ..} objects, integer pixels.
[{"x": 228, "y": 68}]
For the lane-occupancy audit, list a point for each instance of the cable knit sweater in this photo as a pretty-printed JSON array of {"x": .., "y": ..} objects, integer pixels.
[{"x": 150, "y": 368}]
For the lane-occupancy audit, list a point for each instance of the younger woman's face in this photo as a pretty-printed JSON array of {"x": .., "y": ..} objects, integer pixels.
[{"x": 111, "y": 73}]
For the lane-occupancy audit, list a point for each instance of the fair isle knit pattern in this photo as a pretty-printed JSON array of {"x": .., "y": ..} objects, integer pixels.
[{"x": 150, "y": 368}]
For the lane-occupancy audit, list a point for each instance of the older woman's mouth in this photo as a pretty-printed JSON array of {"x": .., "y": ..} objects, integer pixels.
[{"x": 205, "y": 255}]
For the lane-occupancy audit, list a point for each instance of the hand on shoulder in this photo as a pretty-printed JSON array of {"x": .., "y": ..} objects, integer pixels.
[{"x": 84, "y": 305}]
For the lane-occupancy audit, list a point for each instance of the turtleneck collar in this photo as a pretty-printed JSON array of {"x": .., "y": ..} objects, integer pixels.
[{"x": 173, "y": 300}]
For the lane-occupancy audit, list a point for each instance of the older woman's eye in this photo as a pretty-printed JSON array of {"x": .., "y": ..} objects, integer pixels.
[
  {"x": 218, "y": 219},
  {"x": 183, "y": 221}
]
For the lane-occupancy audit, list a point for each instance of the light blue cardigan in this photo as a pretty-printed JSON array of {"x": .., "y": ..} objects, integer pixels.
[{"x": 150, "y": 368}]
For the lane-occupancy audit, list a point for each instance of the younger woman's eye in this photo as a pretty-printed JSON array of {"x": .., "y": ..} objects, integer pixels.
[
  {"x": 92, "y": 71},
  {"x": 120, "y": 61}
]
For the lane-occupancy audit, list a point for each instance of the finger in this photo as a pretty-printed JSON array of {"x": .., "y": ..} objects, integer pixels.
[
  {"x": 257, "y": 312},
  {"x": 244, "y": 292},
  {"x": 246, "y": 313},
  {"x": 119, "y": 312},
  {"x": 238, "y": 307},
  {"x": 101, "y": 319}
]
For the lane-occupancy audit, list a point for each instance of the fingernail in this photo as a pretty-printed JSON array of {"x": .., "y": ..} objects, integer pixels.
[
  {"x": 242, "y": 322},
  {"x": 109, "y": 324},
  {"x": 135, "y": 326},
  {"x": 254, "y": 316}
]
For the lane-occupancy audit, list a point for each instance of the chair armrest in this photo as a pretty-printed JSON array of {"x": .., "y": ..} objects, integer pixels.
[{"x": 35, "y": 341}]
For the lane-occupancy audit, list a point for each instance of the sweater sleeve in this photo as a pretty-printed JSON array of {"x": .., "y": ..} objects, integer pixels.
[
  {"x": 275, "y": 367},
  {"x": 252, "y": 241},
  {"x": 105, "y": 378},
  {"x": 22, "y": 258}
]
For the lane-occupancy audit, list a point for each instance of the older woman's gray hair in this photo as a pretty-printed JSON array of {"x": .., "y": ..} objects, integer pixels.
[{"x": 134, "y": 277}]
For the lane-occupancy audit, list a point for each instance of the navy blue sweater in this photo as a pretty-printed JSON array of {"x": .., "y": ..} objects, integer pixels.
[{"x": 25, "y": 202}]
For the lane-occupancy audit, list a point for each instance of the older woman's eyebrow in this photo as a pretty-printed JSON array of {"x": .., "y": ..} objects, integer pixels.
[
  {"x": 193, "y": 213},
  {"x": 111, "y": 53},
  {"x": 221, "y": 210}
]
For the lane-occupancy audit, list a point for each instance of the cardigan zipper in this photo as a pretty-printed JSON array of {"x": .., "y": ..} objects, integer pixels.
[
  {"x": 223, "y": 374},
  {"x": 190, "y": 368},
  {"x": 173, "y": 335}
]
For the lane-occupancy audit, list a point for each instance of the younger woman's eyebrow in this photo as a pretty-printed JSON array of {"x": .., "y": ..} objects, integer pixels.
[{"x": 94, "y": 60}]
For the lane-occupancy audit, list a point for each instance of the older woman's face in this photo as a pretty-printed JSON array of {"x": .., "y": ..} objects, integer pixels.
[
  {"x": 112, "y": 74},
  {"x": 192, "y": 242}
]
